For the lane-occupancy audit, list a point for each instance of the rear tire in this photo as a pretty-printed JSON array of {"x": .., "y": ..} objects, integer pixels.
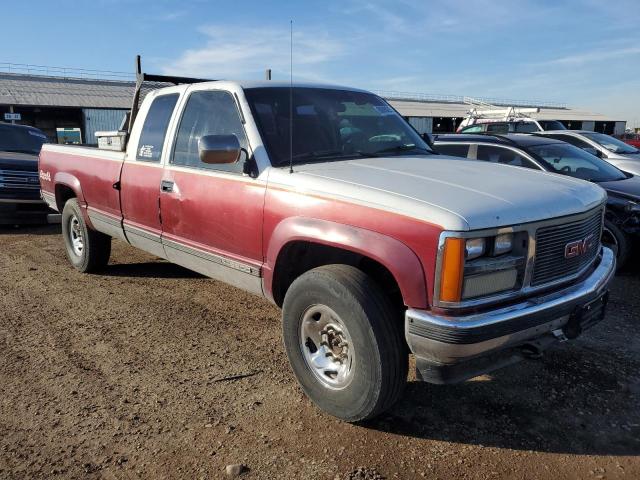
[
  {"x": 87, "y": 250},
  {"x": 344, "y": 342},
  {"x": 615, "y": 239}
]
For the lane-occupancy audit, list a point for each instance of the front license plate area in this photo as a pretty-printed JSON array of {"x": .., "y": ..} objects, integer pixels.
[{"x": 586, "y": 316}]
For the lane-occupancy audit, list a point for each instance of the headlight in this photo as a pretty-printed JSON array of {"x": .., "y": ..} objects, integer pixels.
[
  {"x": 479, "y": 267},
  {"x": 475, "y": 247},
  {"x": 503, "y": 243}
]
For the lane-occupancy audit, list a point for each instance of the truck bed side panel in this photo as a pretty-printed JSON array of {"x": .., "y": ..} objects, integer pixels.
[{"x": 91, "y": 174}]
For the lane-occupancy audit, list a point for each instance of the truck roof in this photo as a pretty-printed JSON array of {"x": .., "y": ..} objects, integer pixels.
[{"x": 272, "y": 84}]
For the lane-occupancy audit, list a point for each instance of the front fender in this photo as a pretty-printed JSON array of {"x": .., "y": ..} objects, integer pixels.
[{"x": 397, "y": 257}]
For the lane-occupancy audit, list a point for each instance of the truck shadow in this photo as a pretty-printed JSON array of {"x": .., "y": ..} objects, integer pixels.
[
  {"x": 568, "y": 402},
  {"x": 157, "y": 269},
  {"x": 45, "y": 229}
]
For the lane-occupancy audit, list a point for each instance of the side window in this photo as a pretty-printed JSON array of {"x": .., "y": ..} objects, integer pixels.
[
  {"x": 473, "y": 129},
  {"x": 455, "y": 150},
  {"x": 498, "y": 128},
  {"x": 207, "y": 112},
  {"x": 155, "y": 128},
  {"x": 491, "y": 153}
]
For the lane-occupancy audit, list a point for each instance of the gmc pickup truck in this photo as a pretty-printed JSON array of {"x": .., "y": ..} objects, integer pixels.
[{"x": 325, "y": 201}]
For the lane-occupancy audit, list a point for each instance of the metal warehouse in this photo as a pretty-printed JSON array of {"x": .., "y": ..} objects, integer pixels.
[
  {"x": 61, "y": 105},
  {"x": 443, "y": 113},
  {"x": 70, "y": 105}
]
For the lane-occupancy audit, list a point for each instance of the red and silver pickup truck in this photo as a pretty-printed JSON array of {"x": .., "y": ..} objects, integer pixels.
[{"x": 325, "y": 201}]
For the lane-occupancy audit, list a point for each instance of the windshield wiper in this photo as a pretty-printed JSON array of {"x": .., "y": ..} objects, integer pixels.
[
  {"x": 402, "y": 148},
  {"x": 321, "y": 155}
]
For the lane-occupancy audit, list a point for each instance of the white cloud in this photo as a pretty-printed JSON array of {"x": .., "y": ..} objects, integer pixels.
[
  {"x": 229, "y": 54},
  {"x": 593, "y": 56}
]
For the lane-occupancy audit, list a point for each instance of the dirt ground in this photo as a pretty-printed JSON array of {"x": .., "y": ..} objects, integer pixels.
[{"x": 122, "y": 375}]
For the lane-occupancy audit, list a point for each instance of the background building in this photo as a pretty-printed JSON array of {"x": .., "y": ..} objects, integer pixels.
[
  {"x": 61, "y": 98},
  {"x": 443, "y": 113},
  {"x": 52, "y": 98}
]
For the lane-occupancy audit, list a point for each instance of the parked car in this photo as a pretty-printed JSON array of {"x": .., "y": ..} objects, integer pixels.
[
  {"x": 515, "y": 126},
  {"x": 625, "y": 157},
  {"x": 622, "y": 217},
  {"x": 370, "y": 243},
  {"x": 20, "y": 201},
  {"x": 631, "y": 138}
]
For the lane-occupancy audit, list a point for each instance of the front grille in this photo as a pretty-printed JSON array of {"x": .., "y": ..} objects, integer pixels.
[
  {"x": 19, "y": 180},
  {"x": 550, "y": 263}
]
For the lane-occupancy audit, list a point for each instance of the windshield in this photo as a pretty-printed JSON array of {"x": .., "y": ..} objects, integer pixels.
[
  {"x": 573, "y": 161},
  {"x": 330, "y": 124},
  {"x": 612, "y": 144},
  {"x": 20, "y": 139}
]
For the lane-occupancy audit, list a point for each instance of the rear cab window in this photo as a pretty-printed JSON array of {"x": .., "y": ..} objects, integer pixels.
[{"x": 155, "y": 128}]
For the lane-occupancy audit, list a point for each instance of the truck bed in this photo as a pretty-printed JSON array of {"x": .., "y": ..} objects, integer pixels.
[{"x": 64, "y": 167}]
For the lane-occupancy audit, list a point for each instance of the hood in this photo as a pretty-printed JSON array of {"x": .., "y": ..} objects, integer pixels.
[
  {"x": 454, "y": 193},
  {"x": 629, "y": 164},
  {"x": 628, "y": 188},
  {"x": 19, "y": 161}
]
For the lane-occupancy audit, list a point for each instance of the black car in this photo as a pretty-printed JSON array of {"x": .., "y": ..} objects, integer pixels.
[
  {"x": 622, "y": 218},
  {"x": 20, "y": 201}
]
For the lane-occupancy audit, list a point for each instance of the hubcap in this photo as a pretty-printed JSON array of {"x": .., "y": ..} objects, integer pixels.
[
  {"x": 75, "y": 234},
  {"x": 327, "y": 347}
]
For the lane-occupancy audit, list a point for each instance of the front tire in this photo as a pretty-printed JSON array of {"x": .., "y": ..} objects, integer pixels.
[
  {"x": 344, "y": 342},
  {"x": 87, "y": 250}
]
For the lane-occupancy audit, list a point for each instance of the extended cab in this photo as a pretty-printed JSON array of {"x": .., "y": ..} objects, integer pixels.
[{"x": 336, "y": 210}]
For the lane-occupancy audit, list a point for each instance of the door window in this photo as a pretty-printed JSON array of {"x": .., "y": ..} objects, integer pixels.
[
  {"x": 455, "y": 150},
  {"x": 208, "y": 112},
  {"x": 155, "y": 128},
  {"x": 495, "y": 154}
]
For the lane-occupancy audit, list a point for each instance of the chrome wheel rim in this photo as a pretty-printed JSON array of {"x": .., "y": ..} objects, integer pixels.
[
  {"x": 327, "y": 347},
  {"x": 75, "y": 234}
]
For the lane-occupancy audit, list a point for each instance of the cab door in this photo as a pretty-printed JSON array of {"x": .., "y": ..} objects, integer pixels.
[
  {"x": 212, "y": 214},
  {"x": 142, "y": 174}
]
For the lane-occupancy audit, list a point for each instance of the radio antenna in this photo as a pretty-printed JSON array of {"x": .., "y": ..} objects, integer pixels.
[{"x": 290, "y": 96}]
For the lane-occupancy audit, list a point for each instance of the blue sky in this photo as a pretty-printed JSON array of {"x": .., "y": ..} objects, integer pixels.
[{"x": 582, "y": 52}]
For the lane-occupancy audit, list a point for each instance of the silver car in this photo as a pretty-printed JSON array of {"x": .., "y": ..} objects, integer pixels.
[{"x": 624, "y": 156}]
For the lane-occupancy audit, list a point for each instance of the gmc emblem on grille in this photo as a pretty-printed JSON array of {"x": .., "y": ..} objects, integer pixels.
[{"x": 579, "y": 247}]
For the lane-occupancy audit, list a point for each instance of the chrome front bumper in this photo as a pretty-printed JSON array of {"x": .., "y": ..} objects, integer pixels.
[{"x": 453, "y": 348}]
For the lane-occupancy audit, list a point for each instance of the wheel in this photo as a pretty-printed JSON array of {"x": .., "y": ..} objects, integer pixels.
[
  {"x": 344, "y": 342},
  {"x": 616, "y": 240},
  {"x": 87, "y": 250}
]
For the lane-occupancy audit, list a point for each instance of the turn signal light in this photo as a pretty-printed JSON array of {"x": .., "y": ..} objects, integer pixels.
[{"x": 452, "y": 270}]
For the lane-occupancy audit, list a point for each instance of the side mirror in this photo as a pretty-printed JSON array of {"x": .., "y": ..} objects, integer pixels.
[
  {"x": 427, "y": 138},
  {"x": 214, "y": 149}
]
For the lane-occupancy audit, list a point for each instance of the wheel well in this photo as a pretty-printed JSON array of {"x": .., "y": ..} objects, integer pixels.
[
  {"x": 63, "y": 193},
  {"x": 298, "y": 257}
]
